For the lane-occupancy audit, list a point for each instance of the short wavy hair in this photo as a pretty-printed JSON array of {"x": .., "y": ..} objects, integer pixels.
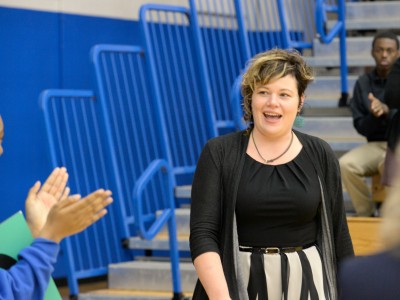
[{"x": 271, "y": 65}]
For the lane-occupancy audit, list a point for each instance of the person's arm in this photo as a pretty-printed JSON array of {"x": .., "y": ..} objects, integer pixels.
[
  {"x": 30, "y": 276},
  {"x": 341, "y": 235},
  {"x": 209, "y": 269},
  {"x": 51, "y": 217},
  {"x": 205, "y": 224}
]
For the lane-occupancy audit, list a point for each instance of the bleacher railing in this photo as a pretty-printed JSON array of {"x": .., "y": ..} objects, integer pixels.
[
  {"x": 76, "y": 141},
  {"x": 134, "y": 129},
  {"x": 338, "y": 7},
  {"x": 180, "y": 84},
  {"x": 137, "y": 146}
]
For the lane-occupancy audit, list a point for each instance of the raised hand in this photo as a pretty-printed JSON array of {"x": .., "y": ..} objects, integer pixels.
[
  {"x": 72, "y": 215},
  {"x": 41, "y": 199}
]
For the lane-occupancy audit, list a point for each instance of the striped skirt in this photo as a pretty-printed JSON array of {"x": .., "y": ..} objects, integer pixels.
[{"x": 288, "y": 276}]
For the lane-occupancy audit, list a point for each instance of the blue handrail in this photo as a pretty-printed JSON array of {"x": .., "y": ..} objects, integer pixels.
[
  {"x": 147, "y": 231},
  {"x": 339, "y": 29},
  {"x": 136, "y": 142}
]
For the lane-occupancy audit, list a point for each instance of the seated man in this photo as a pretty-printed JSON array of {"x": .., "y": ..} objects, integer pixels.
[
  {"x": 51, "y": 215},
  {"x": 371, "y": 118}
]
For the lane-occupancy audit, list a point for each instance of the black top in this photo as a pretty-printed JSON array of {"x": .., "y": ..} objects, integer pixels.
[
  {"x": 277, "y": 205},
  {"x": 366, "y": 124}
]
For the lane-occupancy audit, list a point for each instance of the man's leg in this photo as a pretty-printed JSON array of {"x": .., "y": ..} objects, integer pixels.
[{"x": 355, "y": 165}]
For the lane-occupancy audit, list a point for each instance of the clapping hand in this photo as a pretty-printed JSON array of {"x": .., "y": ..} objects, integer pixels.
[
  {"x": 41, "y": 199},
  {"x": 72, "y": 214}
]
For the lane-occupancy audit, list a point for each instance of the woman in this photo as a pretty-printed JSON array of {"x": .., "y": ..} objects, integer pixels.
[{"x": 270, "y": 198}]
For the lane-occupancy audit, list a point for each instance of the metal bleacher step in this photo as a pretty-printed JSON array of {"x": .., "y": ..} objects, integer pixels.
[
  {"x": 182, "y": 191},
  {"x": 118, "y": 294},
  {"x": 160, "y": 242},
  {"x": 337, "y": 131},
  {"x": 150, "y": 276},
  {"x": 325, "y": 91},
  {"x": 358, "y": 50},
  {"x": 182, "y": 218},
  {"x": 371, "y": 15},
  {"x": 310, "y": 111}
]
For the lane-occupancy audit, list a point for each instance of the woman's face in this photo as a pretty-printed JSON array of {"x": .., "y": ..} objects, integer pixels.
[{"x": 275, "y": 106}]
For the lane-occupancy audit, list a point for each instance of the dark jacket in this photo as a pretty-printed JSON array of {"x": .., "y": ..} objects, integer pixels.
[
  {"x": 366, "y": 124},
  {"x": 214, "y": 192},
  {"x": 371, "y": 277}
]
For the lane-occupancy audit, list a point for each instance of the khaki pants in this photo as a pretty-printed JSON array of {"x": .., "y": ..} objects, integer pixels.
[{"x": 363, "y": 161}]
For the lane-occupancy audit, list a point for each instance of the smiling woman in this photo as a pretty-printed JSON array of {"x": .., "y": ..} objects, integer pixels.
[{"x": 267, "y": 214}]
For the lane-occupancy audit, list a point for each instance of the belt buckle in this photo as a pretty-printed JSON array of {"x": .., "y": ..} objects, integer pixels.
[{"x": 272, "y": 250}]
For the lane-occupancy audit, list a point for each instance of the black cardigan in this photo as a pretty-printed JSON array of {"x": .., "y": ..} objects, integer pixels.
[{"x": 214, "y": 191}]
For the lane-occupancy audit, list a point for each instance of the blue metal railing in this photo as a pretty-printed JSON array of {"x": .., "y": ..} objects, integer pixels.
[
  {"x": 136, "y": 144},
  {"x": 76, "y": 141},
  {"x": 226, "y": 50},
  {"x": 339, "y": 29},
  {"x": 134, "y": 128},
  {"x": 280, "y": 23},
  {"x": 180, "y": 83},
  {"x": 149, "y": 230}
]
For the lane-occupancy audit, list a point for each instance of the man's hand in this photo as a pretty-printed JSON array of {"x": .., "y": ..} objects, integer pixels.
[
  {"x": 377, "y": 107},
  {"x": 41, "y": 199}
]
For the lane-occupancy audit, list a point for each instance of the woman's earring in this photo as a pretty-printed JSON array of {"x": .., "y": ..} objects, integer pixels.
[{"x": 299, "y": 120}]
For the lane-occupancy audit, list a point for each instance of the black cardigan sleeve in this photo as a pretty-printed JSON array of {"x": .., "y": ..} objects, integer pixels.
[
  {"x": 335, "y": 204},
  {"x": 341, "y": 234},
  {"x": 205, "y": 213}
]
